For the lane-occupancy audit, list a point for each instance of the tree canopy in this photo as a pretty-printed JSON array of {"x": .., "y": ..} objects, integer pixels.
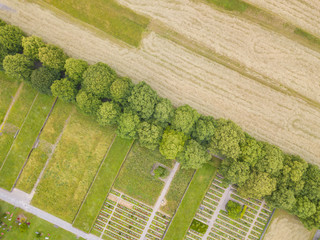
[
  {"x": 234, "y": 209},
  {"x": 149, "y": 135},
  {"x": 64, "y": 89},
  {"x": 97, "y": 80},
  {"x": 172, "y": 143},
  {"x": 3, "y": 53},
  {"x": 143, "y": 100},
  {"x": 53, "y": 57},
  {"x": 235, "y": 171},
  {"x": 88, "y": 103},
  {"x": 128, "y": 125},
  {"x": 18, "y": 67},
  {"x": 75, "y": 69},
  {"x": 120, "y": 90},
  {"x": 184, "y": 119},
  {"x": 31, "y": 46},
  {"x": 11, "y": 38},
  {"x": 164, "y": 111},
  {"x": 282, "y": 198},
  {"x": 250, "y": 150},
  {"x": 42, "y": 79},
  {"x": 304, "y": 208},
  {"x": 108, "y": 113},
  {"x": 204, "y": 129}
]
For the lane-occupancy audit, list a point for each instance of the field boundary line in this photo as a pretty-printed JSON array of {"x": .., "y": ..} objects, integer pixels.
[
  {"x": 16, "y": 95},
  {"x": 37, "y": 139},
  {"x": 21, "y": 126},
  {"x": 94, "y": 179},
  {"x": 267, "y": 226},
  {"x": 125, "y": 158}
]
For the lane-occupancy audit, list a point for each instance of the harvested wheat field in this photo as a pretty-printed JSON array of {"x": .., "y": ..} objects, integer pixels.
[
  {"x": 286, "y": 226},
  {"x": 186, "y": 77},
  {"x": 302, "y": 13}
]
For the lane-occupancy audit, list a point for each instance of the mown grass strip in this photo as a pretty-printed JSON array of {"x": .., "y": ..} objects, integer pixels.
[
  {"x": 190, "y": 203},
  {"x": 307, "y": 35},
  {"x": 24, "y": 141},
  {"x": 102, "y": 184},
  {"x": 231, "y": 5}
]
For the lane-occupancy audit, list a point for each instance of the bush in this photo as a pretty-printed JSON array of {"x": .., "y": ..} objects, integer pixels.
[
  {"x": 234, "y": 209},
  {"x": 18, "y": 67},
  {"x": 243, "y": 211},
  {"x": 53, "y": 57},
  {"x": 11, "y": 38},
  {"x": 198, "y": 226},
  {"x": 160, "y": 172},
  {"x": 42, "y": 79}
]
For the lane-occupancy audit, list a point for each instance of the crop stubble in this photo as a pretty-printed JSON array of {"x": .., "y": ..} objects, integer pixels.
[{"x": 185, "y": 77}]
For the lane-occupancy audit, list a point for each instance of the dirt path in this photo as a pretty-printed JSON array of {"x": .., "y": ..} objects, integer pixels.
[
  {"x": 302, "y": 13},
  {"x": 185, "y": 77}
]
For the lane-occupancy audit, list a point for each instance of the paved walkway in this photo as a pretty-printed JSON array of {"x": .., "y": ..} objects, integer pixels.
[
  {"x": 160, "y": 199},
  {"x": 21, "y": 200}
]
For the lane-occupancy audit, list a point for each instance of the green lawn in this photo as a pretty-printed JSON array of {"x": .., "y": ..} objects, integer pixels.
[
  {"x": 73, "y": 166},
  {"x": 7, "y": 90},
  {"x": 177, "y": 188},
  {"x": 23, "y": 143},
  {"x": 37, "y": 225},
  {"x": 102, "y": 184},
  {"x": 106, "y": 15},
  {"x": 190, "y": 203},
  {"x": 135, "y": 178}
]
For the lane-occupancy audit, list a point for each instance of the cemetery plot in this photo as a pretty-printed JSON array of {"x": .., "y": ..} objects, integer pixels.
[
  {"x": 122, "y": 217},
  {"x": 212, "y": 214}
]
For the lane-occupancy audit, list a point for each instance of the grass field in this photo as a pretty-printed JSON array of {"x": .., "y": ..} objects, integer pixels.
[
  {"x": 102, "y": 184},
  {"x": 73, "y": 166},
  {"x": 7, "y": 91},
  {"x": 135, "y": 178},
  {"x": 37, "y": 224},
  {"x": 190, "y": 203},
  {"x": 106, "y": 15},
  {"x": 177, "y": 188},
  {"x": 25, "y": 139}
]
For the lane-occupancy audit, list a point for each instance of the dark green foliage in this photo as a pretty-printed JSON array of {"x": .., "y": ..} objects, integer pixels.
[
  {"x": 272, "y": 160},
  {"x": 184, "y": 119},
  {"x": 314, "y": 220},
  {"x": 97, "y": 80},
  {"x": 53, "y": 57},
  {"x": 311, "y": 188},
  {"x": 227, "y": 139},
  {"x": 234, "y": 209},
  {"x": 204, "y": 129},
  {"x": 235, "y": 171},
  {"x": 293, "y": 168},
  {"x": 31, "y": 46},
  {"x": 282, "y": 198},
  {"x": 120, "y": 90},
  {"x": 128, "y": 125},
  {"x": 251, "y": 150},
  {"x": 18, "y": 67},
  {"x": 143, "y": 100},
  {"x": 164, "y": 111},
  {"x": 2, "y": 23},
  {"x": 160, "y": 172},
  {"x": 88, "y": 103},
  {"x": 75, "y": 69},
  {"x": 11, "y": 38},
  {"x": 108, "y": 113},
  {"x": 198, "y": 226},
  {"x": 64, "y": 89},
  {"x": 258, "y": 185},
  {"x": 23, "y": 227},
  {"x": 304, "y": 208},
  {"x": 193, "y": 155},
  {"x": 149, "y": 135},
  {"x": 42, "y": 79},
  {"x": 172, "y": 143},
  {"x": 3, "y": 53}
]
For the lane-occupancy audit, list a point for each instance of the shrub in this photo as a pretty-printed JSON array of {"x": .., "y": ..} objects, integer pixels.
[
  {"x": 198, "y": 226},
  {"x": 160, "y": 172},
  {"x": 42, "y": 79},
  {"x": 18, "y": 67},
  {"x": 75, "y": 69},
  {"x": 53, "y": 57},
  {"x": 11, "y": 38},
  {"x": 243, "y": 211},
  {"x": 234, "y": 209},
  {"x": 31, "y": 46}
]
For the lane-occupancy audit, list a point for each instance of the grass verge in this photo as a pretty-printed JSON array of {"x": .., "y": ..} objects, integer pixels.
[
  {"x": 190, "y": 203},
  {"x": 231, "y": 5},
  {"x": 307, "y": 35},
  {"x": 23, "y": 143},
  {"x": 135, "y": 177},
  {"x": 102, "y": 184},
  {"x": 73, "y": 166}
]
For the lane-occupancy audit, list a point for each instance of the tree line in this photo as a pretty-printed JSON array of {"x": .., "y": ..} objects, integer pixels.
[{"x": 259, "y": 169}]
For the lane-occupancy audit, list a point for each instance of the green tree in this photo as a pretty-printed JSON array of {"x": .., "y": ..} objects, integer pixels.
[
  {"x": 53, "y": 57},
  {"x": 304, "y": 208},
  {"x": 184, "y": 119},
  {"x": 227, "y": 139},
  {"x": 108, "y": 113},
  {"x": 31, "y": 46},
  {"x": 311, "y": 177},
  {"x": 251, "y": 150},
  {"x": 3, "y": 53},
  {"x": 272, "y": 160},
  {"x": 194, "y": 155},
  {"x": 127, "y": 125},
  {"x": 143, "y": 100},
  {"x": 2, "y": 23},
  {"x": 259, "y": 185},
  {"x": 234, "y": 209},
  {"x": 294, "y": 167},
  {"x": 75, "y": 69},
  {"x": 314, "y": 220},
  {"x": 11, "y": 38},
  {"x": 42, "y": 79},
  {"x": 164, "y": 111},
  {"x": 18, "y": 67},
  {"x": 149, "y": 135},
  {"x": 64, "y": 89},
  {"x": 282, "y": 198},
  {"x": 97, "y": 80},
  {"x": 88, "y": 103},
  {"x": 172, "y": 143},
  {"x": 160, "y": 172},
  {"x": 204, "y": 129},
  {"x": 120, "y": 90},
  {"x": 235, "y": 171}
]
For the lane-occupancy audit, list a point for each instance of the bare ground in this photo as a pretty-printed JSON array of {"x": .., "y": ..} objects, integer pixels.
[
  {"x": 185, "y": 77},
  {"x": 302, "y": 13}
]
